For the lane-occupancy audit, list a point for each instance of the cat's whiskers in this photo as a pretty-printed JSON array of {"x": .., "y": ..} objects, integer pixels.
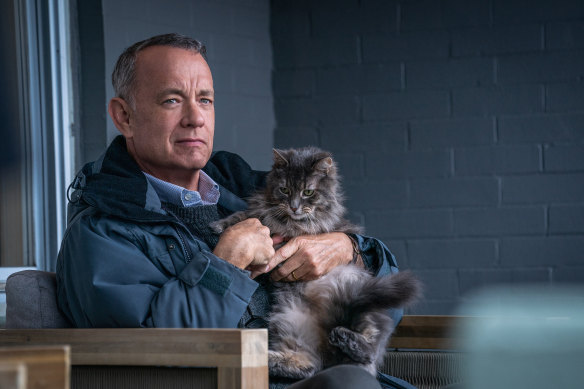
[
  {"x": 281, "y": 209},
  {"x": 314, "y": 226}
]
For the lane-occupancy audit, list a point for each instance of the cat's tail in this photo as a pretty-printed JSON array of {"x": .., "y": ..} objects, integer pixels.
[{"x": 391, "y": 291}]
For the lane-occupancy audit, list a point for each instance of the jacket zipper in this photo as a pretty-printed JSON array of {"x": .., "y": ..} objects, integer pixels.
[
  {"x": 186, "y": 250},
  {"x": 184, "y": 246}
]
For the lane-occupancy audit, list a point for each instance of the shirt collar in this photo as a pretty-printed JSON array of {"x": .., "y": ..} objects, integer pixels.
[{"x": 208, "y": 192}]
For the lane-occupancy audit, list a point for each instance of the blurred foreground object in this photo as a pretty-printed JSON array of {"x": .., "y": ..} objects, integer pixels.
[{"x": 527, "y": 337}]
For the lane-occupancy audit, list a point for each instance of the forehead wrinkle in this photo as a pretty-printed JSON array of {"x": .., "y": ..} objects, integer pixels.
[
  {"x": 170, "y": 91},
  {"x": 183, "y": 93}
]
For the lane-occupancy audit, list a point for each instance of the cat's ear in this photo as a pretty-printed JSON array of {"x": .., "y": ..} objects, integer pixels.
[
  {"x": 279, "y": 159},
  {"x": 323, "y": 165}
]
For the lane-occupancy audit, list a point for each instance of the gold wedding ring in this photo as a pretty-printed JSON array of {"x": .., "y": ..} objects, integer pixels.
[{"x": 294, "y": 275}]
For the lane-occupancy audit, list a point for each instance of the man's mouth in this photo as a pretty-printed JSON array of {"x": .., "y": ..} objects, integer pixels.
[{"x": 191, "y": 141}]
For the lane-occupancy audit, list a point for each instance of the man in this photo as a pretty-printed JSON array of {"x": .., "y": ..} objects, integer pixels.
[{"x": 138, "y": 251}]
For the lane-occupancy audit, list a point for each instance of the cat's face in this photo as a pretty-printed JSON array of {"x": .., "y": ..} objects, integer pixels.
[
  {"x": 297, "y": 200},
  {"x": 300, "y": 183}
]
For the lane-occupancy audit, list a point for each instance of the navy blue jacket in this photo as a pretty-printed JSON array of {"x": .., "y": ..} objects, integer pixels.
[{"x": 124, "y": 262}]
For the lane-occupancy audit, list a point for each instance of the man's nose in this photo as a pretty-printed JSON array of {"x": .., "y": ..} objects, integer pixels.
[{"x": 192, "y": 115}]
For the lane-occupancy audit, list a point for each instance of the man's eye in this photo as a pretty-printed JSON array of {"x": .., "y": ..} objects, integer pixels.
[
  {"x": 206, "y": 101},
  {"x": 285, "y": 190},
  {"x": 308, "y": 192},
  {"x": 170, "y": 101}
]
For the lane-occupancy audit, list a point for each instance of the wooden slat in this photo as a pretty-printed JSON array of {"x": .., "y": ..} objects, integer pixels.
[
  {"x": 45, "y": 366},
  {"x": 428, "y": 332},
  {"x": 240, "y": 356},
  {"x": 12, "y": 375},
  {"x": 133, "y": 346},
  {"x": 195, "y": 347}
]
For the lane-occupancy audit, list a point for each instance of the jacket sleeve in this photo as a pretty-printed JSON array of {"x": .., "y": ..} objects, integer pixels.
[
  {"x": 109, "y": 277},
  {"x": 380, "y": 261}
]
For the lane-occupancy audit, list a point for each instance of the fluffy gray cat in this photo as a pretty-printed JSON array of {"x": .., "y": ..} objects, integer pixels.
[{"x": 342, "y": 317}]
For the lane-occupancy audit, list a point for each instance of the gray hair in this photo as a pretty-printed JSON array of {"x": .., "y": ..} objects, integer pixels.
[{"x": 124, "y": 72}]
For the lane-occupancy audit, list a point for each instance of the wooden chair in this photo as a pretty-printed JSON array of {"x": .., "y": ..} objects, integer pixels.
[
  {"x": 424, "y": 351},
  {"x": 157, "y": 358},
  {"x": 419, "y": 351},
  {"x": 427, "y": 332},
  {"x": 35, "y": 367},
  {"x": 12, "y": 375}
]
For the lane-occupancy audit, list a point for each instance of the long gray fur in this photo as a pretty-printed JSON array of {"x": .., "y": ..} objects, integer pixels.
[{"x": 342, "y": 316}]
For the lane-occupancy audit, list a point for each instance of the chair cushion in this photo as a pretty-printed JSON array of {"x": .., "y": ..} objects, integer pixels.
[{"x": 31, "y": 301}]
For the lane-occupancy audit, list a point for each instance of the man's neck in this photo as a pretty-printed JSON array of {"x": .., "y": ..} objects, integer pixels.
[
  {"x": 187, "y": 181},
  {"x": 208, "y": 192}
]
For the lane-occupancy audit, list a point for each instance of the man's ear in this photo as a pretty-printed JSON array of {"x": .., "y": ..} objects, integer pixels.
[{"x": 119, "y": 111}]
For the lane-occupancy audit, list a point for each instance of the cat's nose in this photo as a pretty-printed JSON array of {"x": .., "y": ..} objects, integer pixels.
[{"x": 294, "y": 209}]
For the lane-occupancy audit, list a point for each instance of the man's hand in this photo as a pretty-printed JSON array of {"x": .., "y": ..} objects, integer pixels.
[
  {"x": 309, "y": 257},
  {"x": 245, "y": 243}
]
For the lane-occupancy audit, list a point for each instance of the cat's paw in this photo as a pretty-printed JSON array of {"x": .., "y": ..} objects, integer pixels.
[
  {"x": 291, "y": 364},
  {"x": 218, "y": 226},
  {"x": 353, "y": 344}
]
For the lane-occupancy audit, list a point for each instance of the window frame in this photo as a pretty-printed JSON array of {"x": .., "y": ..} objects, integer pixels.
[{"x": 43, "y": 45}]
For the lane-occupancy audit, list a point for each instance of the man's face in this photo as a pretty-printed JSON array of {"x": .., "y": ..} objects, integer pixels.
[{"x": 172, "y": 120}]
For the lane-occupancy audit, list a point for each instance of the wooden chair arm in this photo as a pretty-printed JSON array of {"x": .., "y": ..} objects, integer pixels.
[
  {"x": 35, "y": 367},
  {"x": 428, "y": 332},
  {"x": 240, "y": 356}
]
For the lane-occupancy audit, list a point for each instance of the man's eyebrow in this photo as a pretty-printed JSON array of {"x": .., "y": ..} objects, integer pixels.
[
  {"x": 179, "y": 92},
  {"x": 207, "y": 92},
  {"x": 170, "y": 91}
]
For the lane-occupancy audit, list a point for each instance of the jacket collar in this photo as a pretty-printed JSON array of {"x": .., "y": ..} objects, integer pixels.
[{"x": 115, "y": 185}]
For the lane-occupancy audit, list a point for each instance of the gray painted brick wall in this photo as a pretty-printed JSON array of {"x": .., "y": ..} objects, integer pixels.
[
  {"x": 458, "y": 126},
  {"x": 237, "y": 37}
]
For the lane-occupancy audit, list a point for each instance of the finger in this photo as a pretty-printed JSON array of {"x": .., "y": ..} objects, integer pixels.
[
  {"x": 277, "y": 239},
  {"x": 263, "y": 230},
  {"x": 284, "y": 271},
  {"x": 264, "y": 249},
  {"x": 283, "y": 253},
  {"x": 263, "y": 255},
  {"x": 299, "y": 274},
  {"x": 257, "y": 270},
  {"x": 260, "y": 260}
]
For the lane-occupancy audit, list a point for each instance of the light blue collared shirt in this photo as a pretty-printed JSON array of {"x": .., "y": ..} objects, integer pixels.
[{"x": 208, "y": 191}]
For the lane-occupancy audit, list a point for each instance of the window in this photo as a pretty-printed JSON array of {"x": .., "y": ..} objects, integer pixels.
[{"x": 33, "y": 190}]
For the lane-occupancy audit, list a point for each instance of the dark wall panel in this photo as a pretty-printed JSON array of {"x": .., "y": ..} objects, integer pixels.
[{"x": 458, "y": 126}]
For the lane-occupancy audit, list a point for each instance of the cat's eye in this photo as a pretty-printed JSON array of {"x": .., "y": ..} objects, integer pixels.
[
  {"x": 308, "y": 192},
  {"x": 285, "y": 190}
]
